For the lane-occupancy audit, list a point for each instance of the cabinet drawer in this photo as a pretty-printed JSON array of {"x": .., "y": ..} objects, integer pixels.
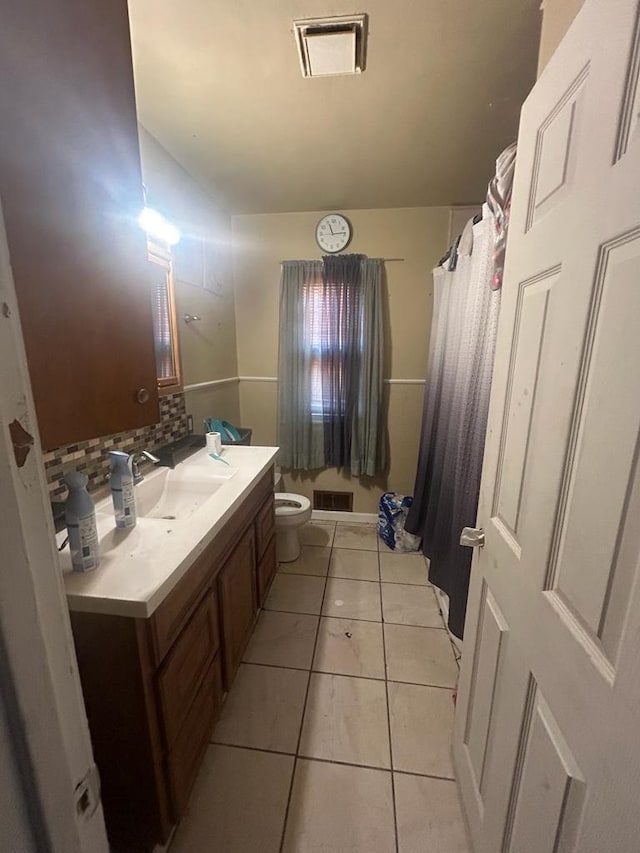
[
  {"x": 266, "y": 570},
  {"x": 183, "y": 761},
  {"x": 265, "y": 525},
  {"x": 186, "y": 663}
]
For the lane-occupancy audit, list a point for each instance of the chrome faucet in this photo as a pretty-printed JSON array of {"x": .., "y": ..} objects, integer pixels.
[{"x": 138, "y": 476}]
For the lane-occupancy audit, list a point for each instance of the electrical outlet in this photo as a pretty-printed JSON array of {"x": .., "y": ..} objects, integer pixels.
[{"x": 190, "y": 424}]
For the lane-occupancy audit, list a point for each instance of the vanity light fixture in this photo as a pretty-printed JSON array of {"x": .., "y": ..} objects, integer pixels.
[
  {"x": 191, "y": 318},
  {"x": 158, "y": 227}
]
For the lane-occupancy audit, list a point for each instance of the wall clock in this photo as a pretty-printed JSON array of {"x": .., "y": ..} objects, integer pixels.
[{"x": 333, "y": 233}]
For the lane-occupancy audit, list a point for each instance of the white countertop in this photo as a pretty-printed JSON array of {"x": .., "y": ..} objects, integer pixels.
[{"x": 140, "y": 566}]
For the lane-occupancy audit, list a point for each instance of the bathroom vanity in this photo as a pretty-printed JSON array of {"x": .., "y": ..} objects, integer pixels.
[{"x": 160, "y": 628}]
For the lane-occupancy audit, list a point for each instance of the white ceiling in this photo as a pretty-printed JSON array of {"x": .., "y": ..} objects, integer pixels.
[{"x": 219, "y": 85}]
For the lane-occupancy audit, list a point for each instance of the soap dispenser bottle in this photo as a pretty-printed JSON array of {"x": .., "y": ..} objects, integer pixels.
[
  {"x": 124, "y": 499},
  {"x": 80, "y": 518}
]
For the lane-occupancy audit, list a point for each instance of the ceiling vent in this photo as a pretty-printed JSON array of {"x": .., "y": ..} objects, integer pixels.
[{"x": 330, "y": 46}]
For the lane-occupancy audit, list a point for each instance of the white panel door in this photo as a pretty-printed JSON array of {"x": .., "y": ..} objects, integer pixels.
[{"x": 547, "y": 732}]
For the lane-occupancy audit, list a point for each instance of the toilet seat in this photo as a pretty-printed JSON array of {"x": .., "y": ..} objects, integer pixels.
[{"x": 288, "y": 504}]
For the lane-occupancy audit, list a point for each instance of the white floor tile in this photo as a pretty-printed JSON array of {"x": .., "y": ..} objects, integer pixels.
[
  {"x": 354, "y": 564},
  {"x": 429, "y": 816},
  {"x": 283, "y": 639},
  {"x": 421, "y": 726},
  {"x": 317, "y": 533},
  {"x": 263, "y": 709},
  {"x": 350, "y": 647},
  {"x": 357, "y": 536},
  {"x": 346, "y": 720},
  {"x": 238, "y": 803},
  {"x": 295, "y": 593},
  {"x": 420, "y": 655},
  {"x": 403, "y": 568},
  {"x": 240, "y": 798},
  {"x": 410, "y": 605},
  {"x": 352, "y": 599},
  {"x": 339, "y": 809},
  {"x": 313, "y": 560}
]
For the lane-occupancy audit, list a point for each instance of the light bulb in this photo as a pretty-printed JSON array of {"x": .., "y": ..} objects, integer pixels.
[{"x": 158, "y": 227}]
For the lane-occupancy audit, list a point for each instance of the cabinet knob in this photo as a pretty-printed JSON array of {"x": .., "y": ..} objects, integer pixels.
[{"x": 142, "y": 395}]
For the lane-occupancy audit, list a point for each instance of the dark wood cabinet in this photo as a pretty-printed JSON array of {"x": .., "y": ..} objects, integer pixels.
[
  {"x": 154, "y": 687},
  {"x": 184, "y": 667},
  {"x": 265, "y": 526},
  {"x": 185, "y": 756},
  {"x": 266, "y": 570},
  {"x": 237, "y": 586},
  {"x": 71, "y": 190},
  {"x": 265, "y": 548}
]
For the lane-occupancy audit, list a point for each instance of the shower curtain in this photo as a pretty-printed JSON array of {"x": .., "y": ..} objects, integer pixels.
[
  {"x": 455, "y": 414},
  {"x": 456, "y": 401}
]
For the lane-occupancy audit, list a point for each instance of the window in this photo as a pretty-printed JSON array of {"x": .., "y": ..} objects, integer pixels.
[
  {"x": 165, "y": 330},
  {"x": 314, "y": 331},
  {"x": 325, "y": 335}
]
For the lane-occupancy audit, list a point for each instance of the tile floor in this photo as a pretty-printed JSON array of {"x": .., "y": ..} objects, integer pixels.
[{"x": 336, "y": 733}]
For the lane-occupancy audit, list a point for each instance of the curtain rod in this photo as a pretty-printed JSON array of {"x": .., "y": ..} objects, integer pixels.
[{"x": 387, "y": 260}]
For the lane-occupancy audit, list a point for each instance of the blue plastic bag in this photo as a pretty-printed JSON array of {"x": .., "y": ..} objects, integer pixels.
[{"x": 392, "y": 515}]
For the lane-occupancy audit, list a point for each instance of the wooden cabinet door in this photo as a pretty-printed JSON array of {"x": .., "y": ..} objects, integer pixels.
[
  {"x": 237, "y": 592},
  {"x": 185, "y": 758},
  {"x": 265, "y": 525},
  {"x": 71, "y": 189},
  {"x": 266, "y": 570},
  {"x": 182, "y": 671}
]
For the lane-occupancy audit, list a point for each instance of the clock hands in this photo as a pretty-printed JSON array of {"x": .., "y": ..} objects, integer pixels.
[{"x": 328, "y": 238}]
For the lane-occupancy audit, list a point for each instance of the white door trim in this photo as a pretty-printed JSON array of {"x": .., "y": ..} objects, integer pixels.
[{"x": 41, "y": 689}]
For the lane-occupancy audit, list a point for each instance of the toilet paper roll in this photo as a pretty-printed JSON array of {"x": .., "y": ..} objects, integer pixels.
[{"x": 214, "y": 442}]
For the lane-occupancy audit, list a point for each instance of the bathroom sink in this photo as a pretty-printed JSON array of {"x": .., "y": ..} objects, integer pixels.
[{"x": 174, "y": 493}]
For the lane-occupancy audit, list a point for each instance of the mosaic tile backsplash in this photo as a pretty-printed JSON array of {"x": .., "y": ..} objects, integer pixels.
[{"x": 92, "y": 456}]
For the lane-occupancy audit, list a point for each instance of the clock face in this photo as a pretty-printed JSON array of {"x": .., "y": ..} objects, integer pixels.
[{"x": 333, "y": 233}]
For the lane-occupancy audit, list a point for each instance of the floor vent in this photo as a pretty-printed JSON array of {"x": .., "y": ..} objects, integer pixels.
[{"x": 333, "y": 501}]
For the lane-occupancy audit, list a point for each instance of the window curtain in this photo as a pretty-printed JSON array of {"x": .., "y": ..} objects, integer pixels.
[
  {"x": 332, "y": 329},
  {"x": 300, "y": 435},
  {"x": 368, "y": 439}
]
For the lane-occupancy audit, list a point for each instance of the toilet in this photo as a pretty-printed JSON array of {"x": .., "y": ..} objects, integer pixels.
[{"x": 292, "y": 511}]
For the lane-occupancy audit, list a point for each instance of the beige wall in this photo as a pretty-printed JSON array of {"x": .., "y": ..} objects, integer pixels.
[
  {"x": 261, "y": 242},
  {"x": 207, "y": 347},
  {"x": 556, "y": 20}
]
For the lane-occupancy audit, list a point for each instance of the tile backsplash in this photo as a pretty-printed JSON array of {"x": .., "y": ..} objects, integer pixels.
[{"x": 92, "y": 456}]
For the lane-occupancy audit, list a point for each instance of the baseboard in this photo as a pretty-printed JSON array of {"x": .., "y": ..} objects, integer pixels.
[{"x": 353, "y": 517}]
